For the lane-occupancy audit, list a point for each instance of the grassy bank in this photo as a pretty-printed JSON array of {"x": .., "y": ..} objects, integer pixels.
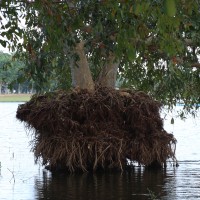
[{"x": 14, "y": 97}]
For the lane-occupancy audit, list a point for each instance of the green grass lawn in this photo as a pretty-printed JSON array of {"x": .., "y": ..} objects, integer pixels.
[{"x": 14, "y": 97}]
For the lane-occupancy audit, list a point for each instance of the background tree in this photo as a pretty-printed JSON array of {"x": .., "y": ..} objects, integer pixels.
[
  {"x": 149, "y": 45},
  {"x": 4, "y": 59},
  {"x": 12, "y": 79}
]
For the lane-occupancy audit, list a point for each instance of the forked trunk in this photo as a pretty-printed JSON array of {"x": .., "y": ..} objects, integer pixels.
[{"x": 82, "y": 76}]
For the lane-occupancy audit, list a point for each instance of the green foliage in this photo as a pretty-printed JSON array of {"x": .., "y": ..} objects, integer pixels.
[
  {"x": 156, "y": 42},
  {"x": 170, "y": 7},
  {"x": 8, "y": 70},
  {"x": 11, "y": 72}
]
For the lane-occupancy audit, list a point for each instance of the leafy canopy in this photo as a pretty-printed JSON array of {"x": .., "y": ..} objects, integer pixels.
[{"x": 156, "y": 42}]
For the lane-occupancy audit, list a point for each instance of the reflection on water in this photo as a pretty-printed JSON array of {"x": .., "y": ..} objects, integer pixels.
[
  {"x": 127, "y": 185},
  {"x": 136, "y": 184},
  {"x": 21, "y": 179}
]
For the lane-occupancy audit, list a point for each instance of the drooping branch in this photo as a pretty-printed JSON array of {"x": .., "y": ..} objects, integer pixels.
[
  {"x": 197, "y": 65},
  {"x": 179, "y": 59}
]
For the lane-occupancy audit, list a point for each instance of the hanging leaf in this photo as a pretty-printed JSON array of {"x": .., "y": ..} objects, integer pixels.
[
  {"x": 131, "y": 52},
  {"x": 3, "y": 43},
  {"x": 138, "y": 9},
  {"x": 172, "y": 120},
  {"x": 170, "y": 7}
]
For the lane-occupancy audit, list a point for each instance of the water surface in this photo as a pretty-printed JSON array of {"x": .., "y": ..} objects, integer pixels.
[{"x": 22, "y": 179}]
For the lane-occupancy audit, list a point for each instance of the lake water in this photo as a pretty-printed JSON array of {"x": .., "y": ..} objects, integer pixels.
[{"x": 21, "y": 179}]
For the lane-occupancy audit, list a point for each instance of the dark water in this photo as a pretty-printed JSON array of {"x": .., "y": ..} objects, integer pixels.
[{"x": 21, "y": 179}]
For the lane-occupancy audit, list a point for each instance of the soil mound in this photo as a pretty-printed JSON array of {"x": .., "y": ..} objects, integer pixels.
[{"x": 82, "y": 131}]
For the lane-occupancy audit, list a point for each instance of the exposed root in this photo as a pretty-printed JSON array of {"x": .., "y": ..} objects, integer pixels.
[{"x": 81, "y": 131}]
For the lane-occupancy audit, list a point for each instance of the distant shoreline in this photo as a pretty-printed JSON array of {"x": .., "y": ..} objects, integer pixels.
[{"x": 15, "y": 97}]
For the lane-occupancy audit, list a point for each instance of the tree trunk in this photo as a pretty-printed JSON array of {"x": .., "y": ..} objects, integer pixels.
[
  {"x": 6, "y": 88},
  {"x": 80, "y": 71},
  {"x": 81, "y": 74},
  {"x": 31, "y": 91},
  {"x": 19, "y": 88},
  {"x": 108, "y": 75}
]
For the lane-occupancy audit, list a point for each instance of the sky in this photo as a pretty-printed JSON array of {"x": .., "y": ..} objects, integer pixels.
[
  {"x": 3, "y": 21},
  {"x": 4, "y": 50}
]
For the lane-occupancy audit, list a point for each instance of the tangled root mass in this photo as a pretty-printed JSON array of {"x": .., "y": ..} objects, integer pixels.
[{"x": 81, "y": 131}]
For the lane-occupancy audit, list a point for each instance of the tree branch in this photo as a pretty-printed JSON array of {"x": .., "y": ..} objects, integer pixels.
[{"x": 197, "y": 65}]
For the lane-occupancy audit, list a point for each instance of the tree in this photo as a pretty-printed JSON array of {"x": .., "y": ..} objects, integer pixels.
[
  {"x": 4, "y": 59},
  {"x": 12, "y": 75},
  {"x": 150, "y": 45},
  {"x": 8, "y": 71}
]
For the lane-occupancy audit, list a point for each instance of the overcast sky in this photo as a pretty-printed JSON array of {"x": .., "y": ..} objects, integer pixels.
[{"x": 4, "y": 21}]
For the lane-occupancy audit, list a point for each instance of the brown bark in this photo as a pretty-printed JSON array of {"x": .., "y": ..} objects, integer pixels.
[
  {"x": 197, "y": 65},
  {"x": 80, "y": 71},
  {"x": 81, "y": 74},
  {"x": 108, "y": 74}
]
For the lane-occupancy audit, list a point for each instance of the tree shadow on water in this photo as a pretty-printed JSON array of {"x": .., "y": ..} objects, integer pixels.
[{"x": 136, "y": 183}]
